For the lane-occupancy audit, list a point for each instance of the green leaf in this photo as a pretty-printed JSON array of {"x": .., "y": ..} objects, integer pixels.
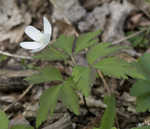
[
  {"x": 143, "y": 127},
  {"x": 3, "y": 120},
  {"x": 101, "y": 50},
  {"x": 65, "y": 43},
  {"x": 86, "y": 40},
  {"x": 144, "y": 65},
  {"x": 141, "y": 87},
  {"x": 118, "y": 68},
  {"x": 46, "y": 74},
  {"x": 69, "y": 97},
  {"x": 82, "y": 77},
  {"x": 48, "y": 102},
  {"x": 113, "y": 66},
  {"x": 21, "y": 127},
  {"x": 134, "y": 71},
  {"x": 107, "y": 121},
  {"x": 143, "y": 103},
  {"x": 51, "y": 54}
]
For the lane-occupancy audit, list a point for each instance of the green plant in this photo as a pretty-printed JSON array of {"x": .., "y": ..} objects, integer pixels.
[
  {"x": 141, "y": 88},
  {"x": 98, "y": 57},
  {"x": 108, "y": 118}
]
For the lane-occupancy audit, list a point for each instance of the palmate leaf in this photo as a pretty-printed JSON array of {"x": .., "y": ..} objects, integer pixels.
[
  {"x": 51, "y": 54},
  {"x": 22, "y": 127},
  {"x": 141, "y": 87},
  {"x": 134, "y": 71},
  {"x": 101, "y": 50},
  {"x": 48, "y": 102},
  {"x": 143, "y": 103},
  {"x": 46, "y": 74},
  {"x": 108, "y": 118},
  {"x": 65, "y": 43},
  {"x": 3, "y": 120},
  {"x": 82, "y": 78},
  {"x": 143, "y": 127},
  {"x": 69, "y": 97},
  {"x": 144, "y": 65},
  {"x": 118, "y": 68},
  {"x": 86, "y": 40}
]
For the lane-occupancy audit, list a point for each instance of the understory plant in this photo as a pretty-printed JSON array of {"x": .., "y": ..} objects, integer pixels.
[{"x": 89, "y": 58}]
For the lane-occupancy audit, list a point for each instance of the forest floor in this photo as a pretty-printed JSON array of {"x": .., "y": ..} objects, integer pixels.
[{"x": 115, "y": 18}]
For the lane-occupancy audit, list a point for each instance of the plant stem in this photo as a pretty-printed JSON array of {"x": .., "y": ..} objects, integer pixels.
[
  {"x": 73, "y": 60},
  {"x": 105, "y": 83}
]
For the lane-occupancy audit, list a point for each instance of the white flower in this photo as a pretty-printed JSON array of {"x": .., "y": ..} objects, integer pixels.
[{"x": 41, "y": 40}]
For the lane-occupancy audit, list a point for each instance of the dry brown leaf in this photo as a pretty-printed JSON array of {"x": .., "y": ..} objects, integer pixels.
[{"x": 12, "y": 21}]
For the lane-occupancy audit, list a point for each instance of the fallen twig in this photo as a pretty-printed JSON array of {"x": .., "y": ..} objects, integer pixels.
[
  {"x": 15, "y": 56},
  {"x": 19, "y": 98},
  {"x": 104, "y": 81},
  {"x": 130, "y": 36}
]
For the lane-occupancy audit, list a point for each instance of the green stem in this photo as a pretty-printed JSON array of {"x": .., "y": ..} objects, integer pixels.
[{"x": 73, "y": 60}]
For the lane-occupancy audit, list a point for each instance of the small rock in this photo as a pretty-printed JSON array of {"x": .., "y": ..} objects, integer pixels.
[
  {"x": 62, "y": 123},
  {"x": 128, "y": 98},
  {"x": 70, "y": 9},
  {"x": 95, "y": 20},
  {"x": 19, "y": 120},
  {"x": 8, "y": 99},
  {"x": 30, "y": 110}
]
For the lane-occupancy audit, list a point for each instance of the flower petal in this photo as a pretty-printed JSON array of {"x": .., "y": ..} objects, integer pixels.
[
  {"x": 47, "y": 27},
  {"x": 45, "y": 39},
  {"x": 33, "y": 33},
  {"x": 39, "y": 49},
  {"x": 31, "y": 45}
]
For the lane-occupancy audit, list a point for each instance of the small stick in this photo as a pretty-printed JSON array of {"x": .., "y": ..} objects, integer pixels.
[
  {"x": 130, "y": 36},
  {"x": 19, "y": 98},
  {"x": 104, "y": 81},
  {"x": 15, "y": 56}
]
